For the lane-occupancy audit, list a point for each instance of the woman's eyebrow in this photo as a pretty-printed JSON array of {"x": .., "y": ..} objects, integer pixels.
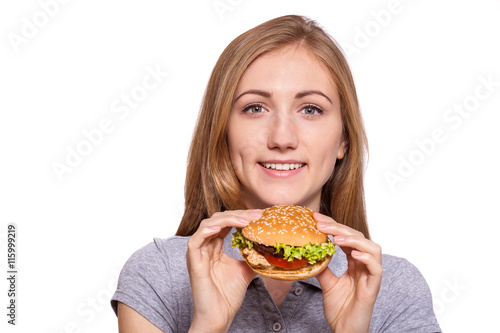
[
  {"x": 268, "y": 94},
  {"x": 312, "y": 92},
  {"x": 255, "y": 92}
]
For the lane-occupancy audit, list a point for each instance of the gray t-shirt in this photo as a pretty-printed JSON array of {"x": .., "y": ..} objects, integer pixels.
[{"x": 155, "y": 283}]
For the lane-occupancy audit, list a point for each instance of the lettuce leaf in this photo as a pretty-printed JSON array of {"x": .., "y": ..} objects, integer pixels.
[
  {"x": 240, "y": 241},
  {"x": 312, "y": 252}
]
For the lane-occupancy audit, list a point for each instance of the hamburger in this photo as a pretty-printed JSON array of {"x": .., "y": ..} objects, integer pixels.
[{"x": 284, "y": 244}]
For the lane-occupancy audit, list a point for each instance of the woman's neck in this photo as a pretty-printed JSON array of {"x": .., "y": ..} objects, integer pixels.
[{"x": 278, "y": 289}]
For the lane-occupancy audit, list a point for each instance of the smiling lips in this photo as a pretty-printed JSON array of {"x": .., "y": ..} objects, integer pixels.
[
  {"x": 274, "y": 169},
  {"x": 282, "y": 166}
]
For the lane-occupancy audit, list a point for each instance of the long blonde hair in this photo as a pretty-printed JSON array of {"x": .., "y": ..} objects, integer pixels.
[{"x": 211, "y": 183}]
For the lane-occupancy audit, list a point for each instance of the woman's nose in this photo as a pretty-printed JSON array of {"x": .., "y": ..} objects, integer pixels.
[{"x": 282, "y": 133}]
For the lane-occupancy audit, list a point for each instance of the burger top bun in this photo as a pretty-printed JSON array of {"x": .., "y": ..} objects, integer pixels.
[{"x": 290, "y": 225}]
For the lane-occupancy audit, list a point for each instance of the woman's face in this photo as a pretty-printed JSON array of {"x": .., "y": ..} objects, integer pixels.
[{"x": 285, "y": 129}]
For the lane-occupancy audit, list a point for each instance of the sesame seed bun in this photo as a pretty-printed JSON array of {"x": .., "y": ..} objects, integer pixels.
[{"x": 291, "y": 225}]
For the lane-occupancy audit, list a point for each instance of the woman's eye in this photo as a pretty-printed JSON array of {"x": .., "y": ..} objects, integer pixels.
[
  {"x": 254, "y": 109},
  {"x": 311, "y": 110}
]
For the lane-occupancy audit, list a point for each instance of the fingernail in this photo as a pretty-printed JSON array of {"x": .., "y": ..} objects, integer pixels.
[
  {"x": 243, "y": 221},
  {"x": 339, "y": 239},
  {"x": 319, "y": 216},
  {"x": 356, "y": 253}
]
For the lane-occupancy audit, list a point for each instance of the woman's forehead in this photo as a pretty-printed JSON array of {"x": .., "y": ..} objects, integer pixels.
[{"x": 290, "y": 69}]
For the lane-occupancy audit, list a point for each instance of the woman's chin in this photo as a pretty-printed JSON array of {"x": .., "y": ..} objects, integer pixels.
[{"x": 274, "y": 200}]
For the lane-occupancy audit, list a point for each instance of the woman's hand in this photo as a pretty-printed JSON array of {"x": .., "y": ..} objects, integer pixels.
[
  {"x": 348, "y": 301},
  {"x": 218, "y": 282}
]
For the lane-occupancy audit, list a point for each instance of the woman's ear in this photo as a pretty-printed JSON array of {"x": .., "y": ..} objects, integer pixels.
[{"x": 344, "y": 145}]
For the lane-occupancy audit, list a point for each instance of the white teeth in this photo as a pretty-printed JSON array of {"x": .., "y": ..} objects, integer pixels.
[{"x": 286, "y": 166}]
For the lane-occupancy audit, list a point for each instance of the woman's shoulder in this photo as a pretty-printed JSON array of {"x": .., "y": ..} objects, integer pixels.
[
  {"x": 159, "y": 263},
  {"x": 391, "y": 262},
  {"x": 400, "y": 269},
  {"x": 165, "y": 253},
  {"x": 404, "y": 302},
  {"x": 154, "y": 280}
]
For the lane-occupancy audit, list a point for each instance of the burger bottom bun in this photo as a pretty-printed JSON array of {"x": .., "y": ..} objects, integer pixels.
[{"x": 279, "y": 273}]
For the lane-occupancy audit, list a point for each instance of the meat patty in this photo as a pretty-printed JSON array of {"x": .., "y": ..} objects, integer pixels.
[
  {"x": 268, "y": 249},
  {"x": 256, "y": 258}
]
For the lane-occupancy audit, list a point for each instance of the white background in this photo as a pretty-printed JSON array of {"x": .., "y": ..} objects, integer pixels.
[{"x": 65, "y": 76}]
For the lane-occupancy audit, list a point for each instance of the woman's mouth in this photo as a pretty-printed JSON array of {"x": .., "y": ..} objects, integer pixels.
[
  {"x": 282, "y": 166},
  {"x": 282, "y": 169}
]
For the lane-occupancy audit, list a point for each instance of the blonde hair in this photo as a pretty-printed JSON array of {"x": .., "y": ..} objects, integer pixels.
[{"x": 211, "y": 183}]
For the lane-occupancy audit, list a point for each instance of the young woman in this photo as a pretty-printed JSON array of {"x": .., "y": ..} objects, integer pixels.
[{"x": 279, "y": 124}]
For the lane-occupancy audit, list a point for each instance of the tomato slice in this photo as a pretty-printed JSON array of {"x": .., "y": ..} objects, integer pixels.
[{"x": 283, "y": 263}]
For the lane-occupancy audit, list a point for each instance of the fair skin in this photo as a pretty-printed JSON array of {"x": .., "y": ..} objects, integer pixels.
[{"x": 286, "y": 111}]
